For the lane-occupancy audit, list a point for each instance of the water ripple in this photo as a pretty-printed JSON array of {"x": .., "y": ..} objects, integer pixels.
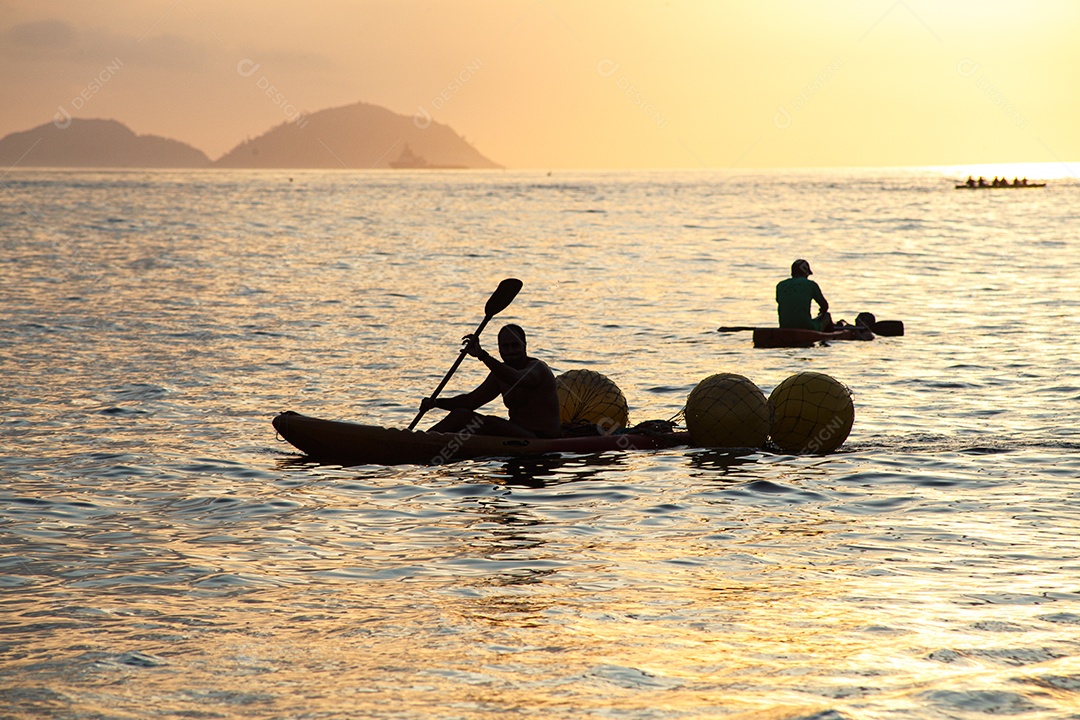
[{"x": 162, "y": 550}]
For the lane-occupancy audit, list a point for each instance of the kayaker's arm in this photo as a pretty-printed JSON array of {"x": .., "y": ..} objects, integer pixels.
[
  {"x": 482, "y": 395},
  {"x": 820, "y": 298},
  {"x": 507, "y": 374},
  {"x": 525, "y": 377}
]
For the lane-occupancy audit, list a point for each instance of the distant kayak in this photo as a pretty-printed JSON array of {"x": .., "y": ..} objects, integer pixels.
[
  {"x": 797, "y": 337},
  {"x": 773, "y": 337},
  {"x": 348, "y": 443}
]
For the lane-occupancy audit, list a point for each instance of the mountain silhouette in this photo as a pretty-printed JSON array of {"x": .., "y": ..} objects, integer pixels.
[
  {"x": 356, "y": 137},
  {"x": 95, "y": 143}
]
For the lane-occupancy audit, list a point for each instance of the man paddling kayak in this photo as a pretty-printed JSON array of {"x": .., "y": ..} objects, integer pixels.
[
  {"x": 793, "y": 298},
  {"x": 526, "y": 384}
]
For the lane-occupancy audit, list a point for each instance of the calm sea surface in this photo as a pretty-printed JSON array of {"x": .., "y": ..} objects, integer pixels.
[{"x": 164, "y": 555}]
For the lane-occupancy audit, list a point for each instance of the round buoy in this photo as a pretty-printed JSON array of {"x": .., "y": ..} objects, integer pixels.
[
  {"x": 812, "y": 413},
  {"x": 587, "y": 397},
  {"x": 727, "y": 410}
]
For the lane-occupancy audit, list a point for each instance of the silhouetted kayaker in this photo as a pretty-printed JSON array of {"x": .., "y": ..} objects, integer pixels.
[
  {"x": 526, "y": 384},
  {"x": 793, "y": 298}
]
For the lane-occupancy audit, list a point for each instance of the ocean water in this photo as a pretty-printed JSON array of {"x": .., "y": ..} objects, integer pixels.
[{"x": 165, "y": 555}]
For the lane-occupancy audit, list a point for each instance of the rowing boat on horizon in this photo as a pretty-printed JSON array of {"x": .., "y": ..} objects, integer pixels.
[{"x": 1000, "y": 186}]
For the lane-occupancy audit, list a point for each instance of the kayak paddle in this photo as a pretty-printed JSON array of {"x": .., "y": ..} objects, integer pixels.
[
  {"x": 888, "y": 328},
  {"x": 499, "y": 300}
]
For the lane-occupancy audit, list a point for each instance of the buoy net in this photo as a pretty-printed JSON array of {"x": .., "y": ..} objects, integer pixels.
[
  {"x": 811, "y": 413},
  {"x": 727, "y": 410},
  {"x": 588, "y": 400}
]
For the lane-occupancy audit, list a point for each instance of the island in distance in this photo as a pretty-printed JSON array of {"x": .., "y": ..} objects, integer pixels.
[
  {"x": 97, "y": 144},
  {"x": 354, "y": 137}
]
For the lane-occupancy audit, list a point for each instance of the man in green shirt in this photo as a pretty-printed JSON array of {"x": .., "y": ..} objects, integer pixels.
[{"x": 793, "y": 298}]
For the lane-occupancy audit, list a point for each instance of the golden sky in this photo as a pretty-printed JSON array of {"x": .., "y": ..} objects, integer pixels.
[{"x": 574, "y": 83}]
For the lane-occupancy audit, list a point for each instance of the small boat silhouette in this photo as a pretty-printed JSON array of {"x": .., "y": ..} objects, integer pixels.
[
  {"x": 408, "y": 160},
  {"x": 981, "y": 184}
]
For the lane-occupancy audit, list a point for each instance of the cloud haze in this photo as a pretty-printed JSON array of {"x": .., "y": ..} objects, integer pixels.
[{"x": 555, "y": 83}]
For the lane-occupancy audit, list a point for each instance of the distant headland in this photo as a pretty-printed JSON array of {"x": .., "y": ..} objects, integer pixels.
[
  {"x": 95, "y": 143},
  {"x": 354, "y": 137}
]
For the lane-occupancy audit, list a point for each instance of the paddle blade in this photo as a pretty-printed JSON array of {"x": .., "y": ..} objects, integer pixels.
[
  {"x": 502, "y": 297},
  {"x": 889, "y": 328}
]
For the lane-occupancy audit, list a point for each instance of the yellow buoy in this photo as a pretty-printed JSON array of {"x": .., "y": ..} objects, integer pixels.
[
  {"x": 812, "y": 413},
  {"x": 587, "y": 397},
  {"x": 727, "y": 410}
]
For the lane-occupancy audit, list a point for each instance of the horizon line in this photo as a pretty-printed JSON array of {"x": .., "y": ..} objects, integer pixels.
[{"x": 936, "y": 167}]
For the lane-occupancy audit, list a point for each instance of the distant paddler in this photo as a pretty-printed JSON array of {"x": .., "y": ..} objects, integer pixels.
[{"x": 793, "y": 298}]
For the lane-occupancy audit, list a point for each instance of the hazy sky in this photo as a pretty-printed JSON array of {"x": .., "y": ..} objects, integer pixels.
[{"x": 574, "y": 83}]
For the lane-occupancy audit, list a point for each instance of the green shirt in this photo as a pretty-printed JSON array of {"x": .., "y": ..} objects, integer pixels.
[{"x": 793, "y": 298}]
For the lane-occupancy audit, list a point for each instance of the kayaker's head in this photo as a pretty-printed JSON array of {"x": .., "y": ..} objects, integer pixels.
[
  {"x": 800, "y": 268},
  {"x": 512, "y": 344}
]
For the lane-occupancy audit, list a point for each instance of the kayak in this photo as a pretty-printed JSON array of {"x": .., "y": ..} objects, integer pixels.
[
  {"x": 797, "y": 337},
  {"x": 349, "y": 443},
  {"x": 773, "y": 337}
]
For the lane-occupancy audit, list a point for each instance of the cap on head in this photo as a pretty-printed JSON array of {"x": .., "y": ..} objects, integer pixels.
[
  {"x": 511, "y": 328},
  {"x": 800, "y": 268}
]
